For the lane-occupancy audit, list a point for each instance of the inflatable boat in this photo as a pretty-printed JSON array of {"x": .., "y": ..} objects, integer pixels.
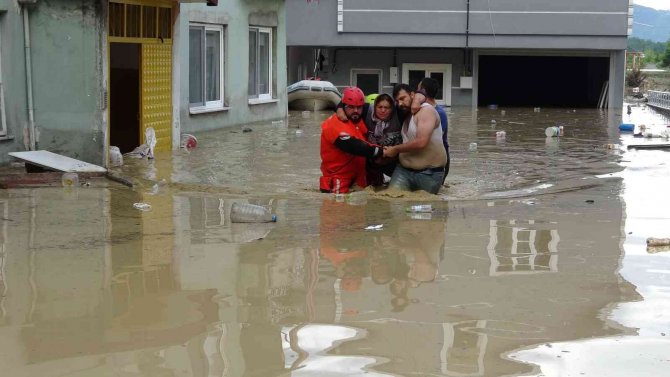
[{"x": 313, "y": 95}]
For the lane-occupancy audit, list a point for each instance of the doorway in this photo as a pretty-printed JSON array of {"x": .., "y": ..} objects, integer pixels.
[
  {"x": 412, "y": 74},
  {"x": 124, "y": 99}
]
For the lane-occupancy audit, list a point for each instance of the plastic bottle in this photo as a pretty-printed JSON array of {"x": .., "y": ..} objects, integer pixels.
[
  {"x": 420, "y": 208},
  {"x": 420, "y": 216},
  {"x": 472, "y": 147},
  {"x": 115, "y": 156},
  {"x": 552, "y": 131},
  {"x": 158, "y": 186},
  {"x": 250, "y": 213},
  {"x": 501, "y": 134},
  {"x": 70, "y": 180}
]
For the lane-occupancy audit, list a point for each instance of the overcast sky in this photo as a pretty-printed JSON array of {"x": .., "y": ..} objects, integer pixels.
[{"x": 658, "y": 4}]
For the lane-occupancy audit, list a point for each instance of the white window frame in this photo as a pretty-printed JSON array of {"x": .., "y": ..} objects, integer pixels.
[
  {"x": 209, "y": 105},
  {"x": 445, "y": 69},
  {"x": 262, "y": 96},
  {"x": 3, "y": 113},
  {"x": 353, "y": 79}
]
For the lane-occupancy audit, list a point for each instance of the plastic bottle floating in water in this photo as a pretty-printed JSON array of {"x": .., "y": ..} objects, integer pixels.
[
  {"x": 420, "y": 208},
  {"x": 250, "y": 213},
  {"x": 554, "y": 131},
  {"x": 70, "y": 180}
]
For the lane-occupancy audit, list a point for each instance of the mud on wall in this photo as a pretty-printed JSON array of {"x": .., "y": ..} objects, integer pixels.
[{"x": 67, "y": 72}]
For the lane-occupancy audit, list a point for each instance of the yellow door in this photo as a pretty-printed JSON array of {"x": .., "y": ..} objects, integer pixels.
[{"x": 156, "y": 93}]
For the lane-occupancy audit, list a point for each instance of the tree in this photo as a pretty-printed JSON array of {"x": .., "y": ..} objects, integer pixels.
[
  {"x": 635, "y": 78},
  {"x": 665, "y": 61}
]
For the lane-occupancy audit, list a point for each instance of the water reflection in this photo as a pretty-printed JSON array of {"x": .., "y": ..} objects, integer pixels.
[
  {"x": 93, "y": 286},
  {"x": 518, "y": 247},
  {"x": 644, "y": 347}
]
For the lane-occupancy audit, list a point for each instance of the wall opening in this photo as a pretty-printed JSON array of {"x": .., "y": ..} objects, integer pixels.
[
  {"x": 545, "y": 81},
  {"x": 124, "y": 99}
]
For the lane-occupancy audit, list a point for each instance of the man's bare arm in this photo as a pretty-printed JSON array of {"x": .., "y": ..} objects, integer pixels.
[{"x": 425, "y": 124}]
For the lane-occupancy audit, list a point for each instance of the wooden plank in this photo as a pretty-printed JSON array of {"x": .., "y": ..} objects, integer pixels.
[
  {"x": 649, "y": 146},
  {"x": 57, "y": 162}
]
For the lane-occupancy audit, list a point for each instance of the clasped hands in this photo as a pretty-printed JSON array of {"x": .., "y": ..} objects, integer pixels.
[{"x": 390, "y": 152}]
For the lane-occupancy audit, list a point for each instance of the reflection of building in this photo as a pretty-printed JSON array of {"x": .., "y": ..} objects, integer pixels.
[
  {"x": 518, "y": 247},
  {"x": 307, "y": 351},
  {"x": 463, "y": 350}
]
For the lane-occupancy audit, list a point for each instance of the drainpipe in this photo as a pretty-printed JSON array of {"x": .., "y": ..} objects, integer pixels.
[
  {"x": 29, "y": 78},
  {"x": 466, "y": 57}
]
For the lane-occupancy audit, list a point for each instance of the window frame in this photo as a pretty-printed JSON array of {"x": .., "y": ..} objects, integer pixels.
[
  {"x": 204, "y": 106},
  {"x": 3, "y": 109},
  {"x": 257, "y": 96},
  {"x": 353, "y": 76}
]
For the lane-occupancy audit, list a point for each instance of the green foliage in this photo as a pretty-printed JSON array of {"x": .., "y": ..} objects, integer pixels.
[
  {"x": 665, "y": 60},
  {"x": 638, "y": 45},
  {"x": 652, "y": 57},
  {"x": 635, "y": 78}
]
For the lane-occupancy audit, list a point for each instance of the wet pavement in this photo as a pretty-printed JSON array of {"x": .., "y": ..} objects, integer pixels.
[{"x": 532, "y": 262}]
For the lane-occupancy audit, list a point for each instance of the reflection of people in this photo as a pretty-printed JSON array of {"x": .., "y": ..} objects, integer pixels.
[
  {"x": 344, "y": 147},
  {"x": 340, "y": 243},
  {"x": 422, "y": 155}
]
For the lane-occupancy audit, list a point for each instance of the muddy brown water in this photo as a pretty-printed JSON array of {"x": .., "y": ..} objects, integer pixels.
[{"x": 532, "y": 262}]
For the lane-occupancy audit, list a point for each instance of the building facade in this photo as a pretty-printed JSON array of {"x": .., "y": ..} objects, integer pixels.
[
  {"x": 79, "y": 77},
  {"x": 569, "y": 53}
]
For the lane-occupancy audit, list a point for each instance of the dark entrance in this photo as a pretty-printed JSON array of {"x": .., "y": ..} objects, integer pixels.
[
  {"x": 124, "y": 95},
  {"x": 544, "y": 81}
]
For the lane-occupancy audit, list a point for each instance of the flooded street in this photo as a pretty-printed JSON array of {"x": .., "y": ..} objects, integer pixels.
[{"x": 533, "y": 261}]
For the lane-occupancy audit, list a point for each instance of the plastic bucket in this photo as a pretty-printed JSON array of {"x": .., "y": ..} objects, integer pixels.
[{"x": 629, "y": 127}]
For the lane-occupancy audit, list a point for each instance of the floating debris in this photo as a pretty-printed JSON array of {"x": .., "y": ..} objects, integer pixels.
[{"x": 142, "y": 206}]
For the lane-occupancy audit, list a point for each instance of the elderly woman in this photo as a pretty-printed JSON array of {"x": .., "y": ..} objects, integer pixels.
[{"x": 384, "y": 127}]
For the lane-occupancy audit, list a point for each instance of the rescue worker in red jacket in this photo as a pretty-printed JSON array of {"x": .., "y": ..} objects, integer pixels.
[{"x": 344, "y": 147}]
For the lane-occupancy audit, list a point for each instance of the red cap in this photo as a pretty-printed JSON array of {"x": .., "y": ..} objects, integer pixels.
[{"x": 353, "y": 96}]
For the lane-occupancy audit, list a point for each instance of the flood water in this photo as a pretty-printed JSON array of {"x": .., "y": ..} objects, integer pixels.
[{"x": 533, "y": 261}]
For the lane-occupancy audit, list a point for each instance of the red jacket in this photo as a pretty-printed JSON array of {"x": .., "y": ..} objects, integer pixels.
[{"x": 337, "y": 164}]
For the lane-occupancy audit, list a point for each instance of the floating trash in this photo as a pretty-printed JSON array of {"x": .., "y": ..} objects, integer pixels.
[
  {"x": 374, "y": 227},
  {"x": 554, "y": 131},
  {"x": 420, "y": 216},
  {"x": 70, "y": 180},
  {"x": 628, "y": 127},
  {"x": 142, "y": 206},
  {"x": 472, "y": 147},
  {"x": 420, "y": 208}
]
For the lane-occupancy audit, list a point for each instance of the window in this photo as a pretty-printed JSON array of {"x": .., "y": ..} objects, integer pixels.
[
  {"x": 3, "y": 117},
  {"x": 205, "y": 74},
  {"x": 260, "y": 63},
  {"x": 368, "y": 80}
]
